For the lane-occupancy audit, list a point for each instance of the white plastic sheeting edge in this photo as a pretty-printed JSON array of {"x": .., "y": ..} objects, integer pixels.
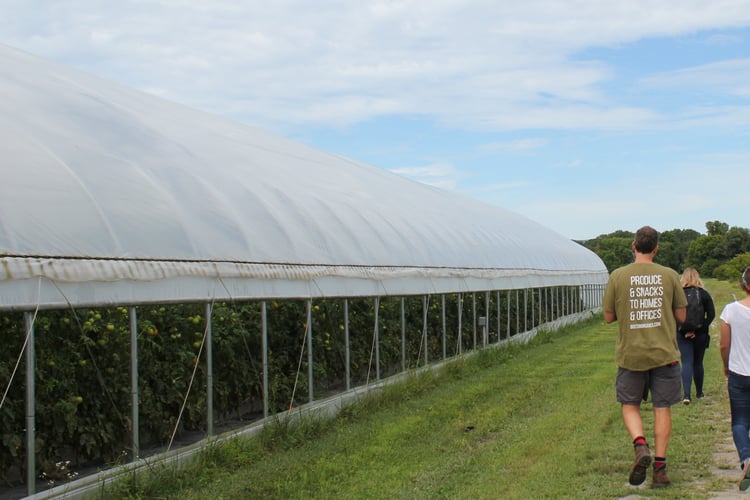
[{"x": 26, "y": 283}]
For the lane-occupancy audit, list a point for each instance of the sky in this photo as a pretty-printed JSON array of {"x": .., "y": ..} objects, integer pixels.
[{"x": 587, "y": 116}]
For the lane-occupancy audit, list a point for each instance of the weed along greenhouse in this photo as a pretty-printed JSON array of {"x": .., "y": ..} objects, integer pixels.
[{"x": 168, "y": 277}]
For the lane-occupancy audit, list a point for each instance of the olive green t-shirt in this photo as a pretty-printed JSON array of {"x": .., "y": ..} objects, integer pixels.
[{"x": 643, "y": 296}]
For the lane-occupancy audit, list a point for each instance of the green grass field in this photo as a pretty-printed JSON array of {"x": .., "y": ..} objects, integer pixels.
[{"x": 534, "y": 421}]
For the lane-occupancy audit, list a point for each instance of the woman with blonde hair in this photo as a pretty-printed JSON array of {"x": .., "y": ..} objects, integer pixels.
[{"x": 692, "y": 334}]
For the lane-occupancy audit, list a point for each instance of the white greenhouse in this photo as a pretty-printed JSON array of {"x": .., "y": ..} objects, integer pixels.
[{"x": 112, "y": 198}]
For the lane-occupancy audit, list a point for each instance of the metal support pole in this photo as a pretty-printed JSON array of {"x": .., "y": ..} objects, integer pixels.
[
  {"x": 486, "y": 333},
  {"x": 308, "y": 327},
  {"x": 30, "y": 405},
  {"x": 403, "y": 335},
  {"x": 525, "y": 309},
  {"x": 264, "y": 354},
  {"x": 347, "y": 348},
  {"x": 442, "y": 310},
  {"x": 459, "y": 338},
  {"x": 507, "y": 332},
  {"x": 424, "y": 327},
  {"x": 134, "y": 405},
  {"x": 376, "y": 333},
  {"x": 474, "y": 317},
  {"x": 209, "y": 373},
  {"x": 499, "y": 316}
]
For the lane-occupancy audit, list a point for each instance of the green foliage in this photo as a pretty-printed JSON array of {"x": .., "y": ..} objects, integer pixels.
[
  {"x": 716, "y": 228},
  {"x": 615, "y": 251},
  {"x": 535, "y": 421},
  {"x": 673, "y": 247},
  {"x": 83, "y": 363},
  {"x": 732, "y": 271},
  {"x": 678, "y": 248}
]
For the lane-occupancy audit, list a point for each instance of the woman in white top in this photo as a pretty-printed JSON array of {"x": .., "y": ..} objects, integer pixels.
[{"x": 735, "y": 352}]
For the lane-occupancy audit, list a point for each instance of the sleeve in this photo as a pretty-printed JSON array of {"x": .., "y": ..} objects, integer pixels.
[{"x": 608, "y": 299}]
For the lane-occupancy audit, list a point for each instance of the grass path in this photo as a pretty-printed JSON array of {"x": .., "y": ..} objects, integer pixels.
[{"x": 516, "y": 422}]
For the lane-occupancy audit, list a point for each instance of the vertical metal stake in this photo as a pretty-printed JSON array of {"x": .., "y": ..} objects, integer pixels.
[
  {"x": 403, "y": 335},
  {"x": 209, "y": 373},
  {"x": 442, "y": 309},
  {"x": 134, "y": 391},
  {"x": 264, "y": 348},
  {"x": 309, "y": 351},
  {"x": 424, "y": 327},
  {"x": 347, "y": 348},
  {"x": 377, "y": 338},
  {"x": 30, "y": 405}
]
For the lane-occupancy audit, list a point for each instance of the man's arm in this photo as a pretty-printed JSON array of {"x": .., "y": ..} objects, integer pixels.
[{"x": 680, "y": 313}]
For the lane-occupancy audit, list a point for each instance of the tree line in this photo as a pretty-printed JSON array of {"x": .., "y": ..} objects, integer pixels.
[{"x": 721, "y": 253}]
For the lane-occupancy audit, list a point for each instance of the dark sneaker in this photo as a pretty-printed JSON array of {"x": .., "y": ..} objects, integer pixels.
[
  {"x": 660, "y": 478},
  {"x": 686, "y": 401},
  {"x": 640, "y": 465},
  {"x": 745, "y": 479}
]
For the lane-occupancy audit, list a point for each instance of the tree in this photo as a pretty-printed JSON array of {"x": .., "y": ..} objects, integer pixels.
[
  {"x": 673, "y": 247},
  {"x": 732, "y": 270},
  {"x": 736, "y": 241},
  {"x": 701, "y": 253},
  {"x": 614, "y": 251},
  {"x": 716, "y": 228}
]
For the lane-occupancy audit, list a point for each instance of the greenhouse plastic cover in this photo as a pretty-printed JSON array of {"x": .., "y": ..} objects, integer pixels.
[{"x": 113, "y": 196}]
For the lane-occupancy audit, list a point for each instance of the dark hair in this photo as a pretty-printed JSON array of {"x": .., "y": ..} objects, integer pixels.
[
  {"x": 646, "y": 239},
  {"x": 745, "y": 279}
]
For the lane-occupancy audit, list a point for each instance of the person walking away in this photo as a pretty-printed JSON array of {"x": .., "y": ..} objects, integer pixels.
[
  {"x": 692, "y": 335},
  {"x": 734, "y": 346},
  {"x": 647, "y": 301}
]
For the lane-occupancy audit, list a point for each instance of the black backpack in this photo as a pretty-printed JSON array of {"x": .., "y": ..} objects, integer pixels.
[{"x": 695, "y": 313}]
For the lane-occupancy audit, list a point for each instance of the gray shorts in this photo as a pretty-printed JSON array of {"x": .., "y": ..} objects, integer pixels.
[{"x": 664, "y": 383}]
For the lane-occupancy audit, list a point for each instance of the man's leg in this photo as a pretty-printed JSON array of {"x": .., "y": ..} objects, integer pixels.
[
  {"x": 662, "y": 430},
  {"x": 631, "y": 417}
]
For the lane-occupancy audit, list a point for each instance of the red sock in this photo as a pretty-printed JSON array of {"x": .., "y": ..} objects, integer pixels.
[
  {"x": 639, "y": 440},
  {"x": 660, "y": 462}
]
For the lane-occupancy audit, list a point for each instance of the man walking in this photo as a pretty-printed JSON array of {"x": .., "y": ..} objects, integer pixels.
[{"x": 647, "y": 301}]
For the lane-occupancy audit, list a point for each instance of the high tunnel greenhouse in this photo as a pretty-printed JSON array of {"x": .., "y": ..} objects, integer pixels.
[{"x": 141, "y": 238}]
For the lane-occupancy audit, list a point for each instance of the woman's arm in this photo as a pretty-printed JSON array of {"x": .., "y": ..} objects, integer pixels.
[{"x": 725, "y": 344}]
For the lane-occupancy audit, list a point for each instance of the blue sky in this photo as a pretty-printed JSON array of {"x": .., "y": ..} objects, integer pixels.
[{"x": 585, "y": 116}]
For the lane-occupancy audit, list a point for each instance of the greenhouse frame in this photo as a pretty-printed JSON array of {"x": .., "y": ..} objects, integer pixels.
[{"x": 115, "y": 199}]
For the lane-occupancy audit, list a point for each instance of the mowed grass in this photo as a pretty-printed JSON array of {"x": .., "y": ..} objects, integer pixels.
[{"x": 515, "y": 421}]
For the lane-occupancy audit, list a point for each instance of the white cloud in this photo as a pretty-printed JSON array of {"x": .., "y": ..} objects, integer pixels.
[
  {"x": 439, "y": 175},
  {"x": 731, "y": 77},
  {"x": 474, "y": 64},
  {"x": 519, "y": 145}
]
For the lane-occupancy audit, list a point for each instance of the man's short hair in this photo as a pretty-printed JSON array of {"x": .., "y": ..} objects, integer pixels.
[{"x": 646, "y": 239}]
